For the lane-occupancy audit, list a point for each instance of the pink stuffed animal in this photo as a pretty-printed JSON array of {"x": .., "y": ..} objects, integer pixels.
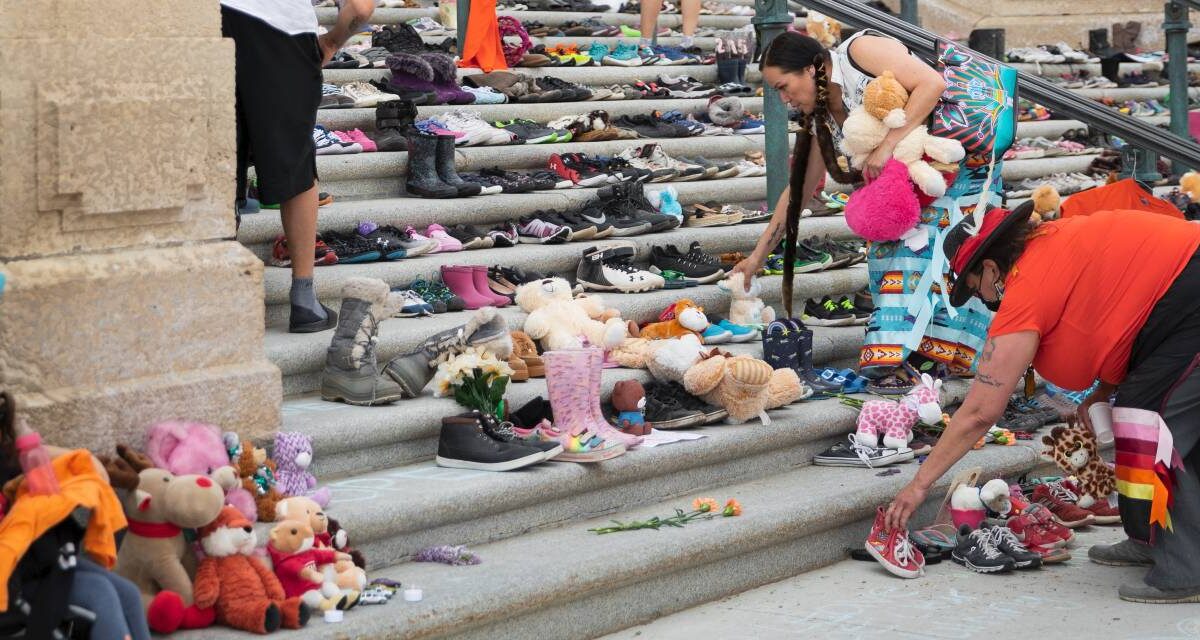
[
  {"x": 195, "y": 448},
  {"x": 894, "y": 420},
  {"x": 886, "y": 209}
]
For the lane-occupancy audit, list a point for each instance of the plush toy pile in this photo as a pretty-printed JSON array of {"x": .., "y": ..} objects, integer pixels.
[{"x": 193, "y": 477}]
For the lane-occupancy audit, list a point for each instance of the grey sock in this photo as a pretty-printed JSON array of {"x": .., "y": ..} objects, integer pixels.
[
  {"x": 303, "y": 297},
  {"x": 688, "y": 41},
  {"x": 644, "y": 41}
]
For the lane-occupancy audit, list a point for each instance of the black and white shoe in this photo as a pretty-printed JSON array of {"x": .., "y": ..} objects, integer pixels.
[
  {"x": 853, "y": 454},
  {"x": 978, "y": 552},
  {"x": 610, "y": 270},
  {"x": 503, "y": 432},
  {"x": 826, "y": 313},
  {"x": 1008, "y": 544},
  {"x": 676, "y": 392},
  {"x": 695, "y": 264},
  {"x": 465, "y": 444}
]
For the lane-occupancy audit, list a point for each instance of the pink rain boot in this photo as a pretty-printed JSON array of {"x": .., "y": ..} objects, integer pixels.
[
  {"x": 595, "y": 371},
  {"x": 481, "y": 285},
  {"x": 461, "y": 281},
  {"x": 569, "y": 401}
]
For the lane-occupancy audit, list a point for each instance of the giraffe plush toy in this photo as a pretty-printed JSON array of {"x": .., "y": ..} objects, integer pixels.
[
  {"x": 893, "y": 421},
  {"x": 1073, "y": 449}
]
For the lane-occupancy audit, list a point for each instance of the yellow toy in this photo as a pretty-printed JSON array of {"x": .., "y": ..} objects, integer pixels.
[
  {"x": 1046, "y": 203},
  {"x": 1189, "y": 184},
  {"x": 744, "y": 386},
  {"x": 823, "y": 29}
]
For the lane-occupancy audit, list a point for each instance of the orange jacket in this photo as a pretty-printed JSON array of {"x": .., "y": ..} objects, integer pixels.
[{"x": 31, "y": 516}]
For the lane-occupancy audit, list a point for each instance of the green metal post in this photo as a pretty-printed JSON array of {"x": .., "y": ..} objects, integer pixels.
[
  {"x": 908, "y": 12},
  {"x": 771, "y": 18},
  {"x": 464, "y": 14},
  {"x": 1175, "y": 26}
]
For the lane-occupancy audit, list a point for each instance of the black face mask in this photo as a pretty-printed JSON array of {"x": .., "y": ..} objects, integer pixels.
[{"x": 993, "y": 305}]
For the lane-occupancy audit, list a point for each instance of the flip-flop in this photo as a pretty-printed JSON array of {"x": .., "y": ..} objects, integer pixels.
[
  {"x": 890, "y": 385},
  {"x": 854, "y": 383},
  {"x": 935, "y": 537}
]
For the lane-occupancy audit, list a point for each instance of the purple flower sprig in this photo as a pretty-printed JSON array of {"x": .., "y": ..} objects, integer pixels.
[{"x": 454, "y": 555}]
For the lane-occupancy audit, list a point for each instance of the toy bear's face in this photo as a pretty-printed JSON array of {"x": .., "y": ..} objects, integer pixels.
[
  {"x": 884, "y": 94},
  {"x": 692, "y": 318},
  {"x": 628, "y": 395},
  {"x": 539, "y": 293},
  {"x": 303, "y": 509},
  {"x": 292, "y": 536}
]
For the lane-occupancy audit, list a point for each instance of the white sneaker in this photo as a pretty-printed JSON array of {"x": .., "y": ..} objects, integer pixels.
[
  {"x": 367, "y": 95},
  {"x": 329, "y": 145},
  {"x": 747, "y": 169},
  {"x": 477, "y": 131},
  {"x": 684, "y": 171},
  {"x": 427, "y": 26}
]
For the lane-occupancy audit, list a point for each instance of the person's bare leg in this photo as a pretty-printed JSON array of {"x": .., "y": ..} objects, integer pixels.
[
  {"x": 299, "y": 216},
  {"x": 649, "y": 11},
  {"x": 691, "y": 19}
]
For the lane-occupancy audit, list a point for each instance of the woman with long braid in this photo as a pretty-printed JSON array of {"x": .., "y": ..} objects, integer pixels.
[{"x": 824, "y": 86}]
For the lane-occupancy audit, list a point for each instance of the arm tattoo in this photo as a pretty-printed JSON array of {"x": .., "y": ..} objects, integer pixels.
[
  {"x": 988, "y": 380},
  {"x": 989, "y": 349},
  {"x": 774, "y": 234}
]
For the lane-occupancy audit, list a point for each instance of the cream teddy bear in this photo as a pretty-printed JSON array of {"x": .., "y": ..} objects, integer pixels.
[
  {"x": 669, "y": 360},
  {"x": 883, "y": 110},
  {"x": 746, "y": 307},
  {"x": 742, "y": 385},
  {"x": 558, "y": 321}
]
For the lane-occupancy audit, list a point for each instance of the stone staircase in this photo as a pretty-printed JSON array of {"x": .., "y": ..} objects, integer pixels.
[{"x": 542, "y": 572}]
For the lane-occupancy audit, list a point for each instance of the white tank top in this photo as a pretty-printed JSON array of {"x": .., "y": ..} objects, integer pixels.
[{"x": 847, "y": 75}]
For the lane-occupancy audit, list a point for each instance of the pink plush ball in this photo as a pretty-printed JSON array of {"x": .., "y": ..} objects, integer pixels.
[{"x": 887, "y": 207}]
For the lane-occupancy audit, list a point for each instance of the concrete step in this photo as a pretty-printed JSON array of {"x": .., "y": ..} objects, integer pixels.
[
  {"x": 587, "y": 585},
  {"x": 590, "y": 75},
  {"x": 370, "y": 439},
  {"x": 328, "y": 16},
  {"x": 397, "y": 511},
  {"x": 1056, "y": 70},
  {"x": 259, "y": 230},
  {"x": 374, "y": 175},
  {"x": 1133, "y": 93},
  {"x": 543, "y": 112},
  {"x": 300, "y": 357}
]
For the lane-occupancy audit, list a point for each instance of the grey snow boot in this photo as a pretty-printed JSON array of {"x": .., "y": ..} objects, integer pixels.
[
  {"x": 351, "y": 373},
  {"x": 412, "y": 371}
]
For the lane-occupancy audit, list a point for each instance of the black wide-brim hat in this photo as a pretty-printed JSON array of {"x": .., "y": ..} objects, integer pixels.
[{"x": 965, "y": 245}]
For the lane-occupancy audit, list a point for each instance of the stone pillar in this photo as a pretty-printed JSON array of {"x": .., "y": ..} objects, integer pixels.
[{"x": 126, "y": 299}]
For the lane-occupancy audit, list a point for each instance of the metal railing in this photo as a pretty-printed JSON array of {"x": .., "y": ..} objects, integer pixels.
[{"x": 1179, "y": 148}]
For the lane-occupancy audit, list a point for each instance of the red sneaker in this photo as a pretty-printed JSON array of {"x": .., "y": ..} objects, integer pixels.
[
  {"x": 280, "y": 257},
  {"x": 1032, "y": 534},
  {"x": 1049, "y": 523},
  {"x": 1101, "y": 510},
  {"x": 893, "y": 549},
  {"x": 1061, "y": 502}
]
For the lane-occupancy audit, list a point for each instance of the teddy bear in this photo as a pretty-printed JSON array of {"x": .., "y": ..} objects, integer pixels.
[
  {"x": 629, "y": 399},
  {"x": 558, "y": 321},
  {"x": 684, "y": 317},
  {"x": 340, "y": 540},
  {"x": 823, "y": 29},
  {"x": 243, "y": 591},
  {"x": 347, "y": 576},
  {"x": 1189, "y": 184},
  {"x": 257, "y": 473},
  {"x": 293, "y": 454},
  {"x": 154, "y": 554},
  {"x": 295, "y": 561},
  {"x": 669, "y": 360},
  {"x": 883, "y": 110},
  {"x": 742, "y": 385},
  {"x": 1046, "y": 204},
  {"x": 194, "y": 448},
  {"x": 746, "y": 307}
]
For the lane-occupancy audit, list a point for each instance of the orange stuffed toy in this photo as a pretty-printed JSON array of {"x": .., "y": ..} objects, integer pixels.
[
  {"x": 680, "y": 319},
  {"x": 246, "y": 594}
]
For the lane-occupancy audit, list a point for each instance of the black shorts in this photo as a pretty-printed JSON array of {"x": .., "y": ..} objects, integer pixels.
[{"x": 278, "y": 86}]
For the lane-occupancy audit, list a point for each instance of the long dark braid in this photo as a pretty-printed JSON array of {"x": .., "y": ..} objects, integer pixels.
[{"x": 820, "y": 123}]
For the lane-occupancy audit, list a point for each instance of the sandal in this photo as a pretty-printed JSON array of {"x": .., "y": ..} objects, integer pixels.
[
  {"x": 893, "y": 384},
  {"x": 673, "y": 279}
]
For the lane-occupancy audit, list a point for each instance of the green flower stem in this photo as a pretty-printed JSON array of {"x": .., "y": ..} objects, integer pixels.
[{"x": 678, "y": 520}]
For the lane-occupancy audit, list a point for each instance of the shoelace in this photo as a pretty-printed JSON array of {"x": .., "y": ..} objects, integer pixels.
[
  {"x": 983, "y": 542},
  {"x": 845, "y": 303},
  {"x": 829, "y": 305},
  {"x": 368, "y": 347},
  {"x": 1061, "y": 492},
  {"x": 696, "y": 255},
  {"x": 902, "y": 549},
  {"x": 1000, "y": 535},
  {"x": 861, "y": 450},
  {"x": 621, "y": 264}
]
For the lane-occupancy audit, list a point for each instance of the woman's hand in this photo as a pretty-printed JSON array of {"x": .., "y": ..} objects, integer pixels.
[
  {"x": 903, "y": 506},
  {"x": 328, "y": 47},
  {"x": 879, "y": 157},
  {"x": 748, "y": 267}
]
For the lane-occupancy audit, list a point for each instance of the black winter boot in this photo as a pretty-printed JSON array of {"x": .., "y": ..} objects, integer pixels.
[
  {"x": 422, "y": 169},
  {"x": 446, "y": 171},
  {"x": 392, "y": 120}
]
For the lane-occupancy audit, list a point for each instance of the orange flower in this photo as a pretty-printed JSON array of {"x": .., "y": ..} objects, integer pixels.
[
  {"x": 732, "y": 508},
  {"x": 704, "y": 505}
]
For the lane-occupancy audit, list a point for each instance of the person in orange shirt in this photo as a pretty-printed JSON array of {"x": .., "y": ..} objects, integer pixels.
[{"x": 1114, "y": 296}]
